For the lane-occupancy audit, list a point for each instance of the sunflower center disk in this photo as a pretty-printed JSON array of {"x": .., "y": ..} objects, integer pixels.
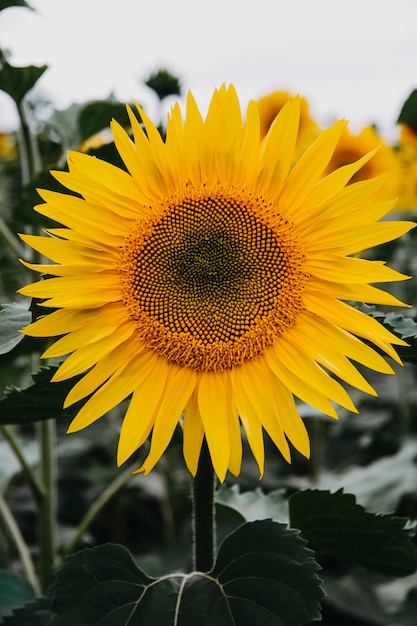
[{"x": 213, "y": 280}]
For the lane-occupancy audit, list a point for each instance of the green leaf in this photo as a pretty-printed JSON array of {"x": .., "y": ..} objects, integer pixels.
[
  {"x": 40, "y": 401},
  {"x": 17, "y": 81},
  {"x": 14, "y": 591},
  {"x": 264, "y": 575},
  {"x": 5, "y": 4},
  {"x": 332, "y": 523},
  {"x": 254, "y": 505},
  {"x": 12, "y": 319},
  {"x": 96, "y": 116},
  {"x": 403, "y": 327},
  {"x": 408, "y": 113},
  {"x": 35, "y": 613},
  {"x": 266, "y": 571}
]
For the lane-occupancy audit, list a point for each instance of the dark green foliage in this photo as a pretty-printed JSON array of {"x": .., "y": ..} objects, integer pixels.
[
  {"x": 96, "y": 116},
  {"x": 164, "y": 84},
  {"x": 18, "y": 81},
  {"x": 12, "y": 319},
  {"x": 263, "y": 574},
  {"x": 408, "y": 114},
  {"x": 14, "y": 591},
  {"x": 254, "y": 504},
  {"x": 333, "y": 524},
  {"x": 5, "y": 4},
  {"x": 36, "y": 613},
  {"x": 42, "y": 400},
  {"x": 405, "y": 328}
]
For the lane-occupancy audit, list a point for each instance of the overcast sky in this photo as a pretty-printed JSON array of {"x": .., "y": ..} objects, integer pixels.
[{"x": 351, "y": 58}]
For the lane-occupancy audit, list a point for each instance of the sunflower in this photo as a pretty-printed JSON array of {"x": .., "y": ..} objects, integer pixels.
[
  {"x": 207, "y": 282},
  {"x": 8, "y": 148},
  {"x": 270, "y": 105},
  {"x": 353, "y": 146},
  {"x": 407, "y": 158}
]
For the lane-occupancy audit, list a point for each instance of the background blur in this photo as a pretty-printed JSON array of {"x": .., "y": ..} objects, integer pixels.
[{"x": 353, "y": 59}]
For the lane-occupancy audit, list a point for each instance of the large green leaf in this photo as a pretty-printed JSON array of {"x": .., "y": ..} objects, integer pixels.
[
  {"x": 5, "y": 4},
  {"x": 264, "y": 575},
  {"x": 17, "y": 81},
  {"x": 96, "y": 116},
  {"x": 403, "y": 327},
  {"x": 34, "y": 613},
  {"x": 14, "y": 591},
  {"x": 332, "y": 523},
  {"x": 42, "y": 400},
  {"x": 12, "y": 319},
  {"x": 253, "y": 505}
]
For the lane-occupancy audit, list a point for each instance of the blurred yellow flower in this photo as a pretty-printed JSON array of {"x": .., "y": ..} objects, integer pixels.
[
  {"x": 407, "y": 158},
  {"x": 207, "y": 282},
  {"x": 8, "y": 148},
  {"x": 352, "y": 147},
  {"x": 270, "y": 105},
  {"x": 408, "y": 137},
  {"x": 102, "y": 138}
]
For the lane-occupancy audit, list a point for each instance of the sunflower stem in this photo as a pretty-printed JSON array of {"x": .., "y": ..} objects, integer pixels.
[
  {"x": 46, "y": 508},
  {"x": 10, "y": 239},
  {"x": 28, "y": 145},
  {"x": 27, "y": 471},
  {"x": 19, "y": 541},
  {"x": 97, "y": 506},
  {"x": 204, "y": 518}
]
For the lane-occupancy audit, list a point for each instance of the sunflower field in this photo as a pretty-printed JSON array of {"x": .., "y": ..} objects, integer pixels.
[{"x": 208, "y": 350}]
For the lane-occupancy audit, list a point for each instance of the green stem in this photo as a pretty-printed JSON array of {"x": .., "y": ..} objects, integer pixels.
[
  {"x": 317, "y": 432},
  {"x": 27, "y": 471},
  {"x": 95, "y": 509},
  {"x": 26, "y": 161},
  {"x": 29, "y": 153},
  {"x": 22, "y": 548},
  {"x": 10, "y": 239},
  {"x": 204, "y": 518},
  {"x": 46, "y": 509}
]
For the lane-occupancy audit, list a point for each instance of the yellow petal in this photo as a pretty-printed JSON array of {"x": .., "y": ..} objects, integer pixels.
[
  {"x": 250, "y": 422},
  {"x": 326, "y": 355},
  {"x": 301, "y": 364},
  {"x": 353, "y": 320},
  {"x": 290, "y": 419},
  {"x": 103, "y": 370},
  {"x": 115, "y": 390},
  {"x": 193, "y": 434},
  {"x": 257, "y": 386},
  {"x": 180, "y": 385},
  {"x": 309, "y": 168},
  {"x": 297, "y": 385},
  {"x": 213, "y": 407},
  {"x": 277, "y": 152},
  {"x": 140, "y": 415},
  {"x": 87, "y": 356}
]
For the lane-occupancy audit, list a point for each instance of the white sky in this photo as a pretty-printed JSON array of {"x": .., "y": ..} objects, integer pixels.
[{"x": 351, "y": 58}]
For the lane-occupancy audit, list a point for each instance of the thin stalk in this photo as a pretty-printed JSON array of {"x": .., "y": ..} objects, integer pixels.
[
  {"x": 204, "y": 517},
  {"x": 26, "y": 161},
  {"x": 11, "y": 240},
  {"x": 317, "y": 432},
  {"x": 29, "y": 152},
  {"x": 95, "y": 509},
  {"x": 22, "y": 548},
  {"x": 27, "y": 471},
  {"x": 46, "y": 508}
]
